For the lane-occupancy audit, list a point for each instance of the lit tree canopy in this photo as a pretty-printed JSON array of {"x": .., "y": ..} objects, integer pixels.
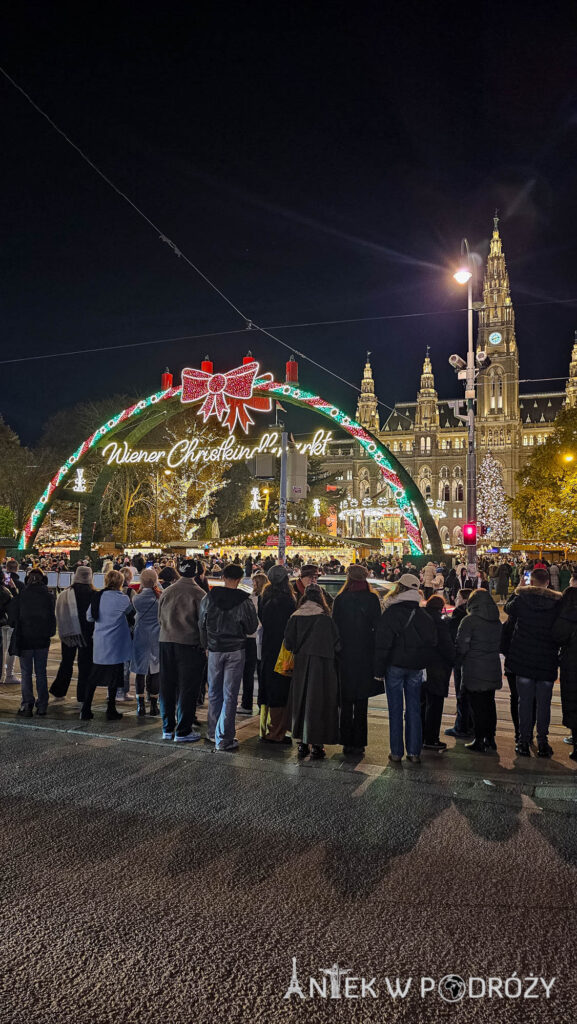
[
  {"x": 492, "y": 503},
  {"x": 546, "y": 500}
]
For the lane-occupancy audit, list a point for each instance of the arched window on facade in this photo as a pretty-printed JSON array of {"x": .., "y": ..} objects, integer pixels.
[
  {"x": 425, "y": 477},
  {"x": 422, "y": 446},
  {"x": 457, "y": 536}
]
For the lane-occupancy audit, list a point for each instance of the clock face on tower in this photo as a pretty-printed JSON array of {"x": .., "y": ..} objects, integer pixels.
[{"x": 495, "y": 338}]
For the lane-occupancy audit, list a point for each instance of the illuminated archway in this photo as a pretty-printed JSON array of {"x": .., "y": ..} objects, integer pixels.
[{"x": 406, "y": 494}]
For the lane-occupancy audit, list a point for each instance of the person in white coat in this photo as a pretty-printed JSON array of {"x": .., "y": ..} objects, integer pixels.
[{"x": 109, "y": 610}]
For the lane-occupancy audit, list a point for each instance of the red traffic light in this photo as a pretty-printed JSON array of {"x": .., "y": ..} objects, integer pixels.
[{"x": 469, "y": 533}]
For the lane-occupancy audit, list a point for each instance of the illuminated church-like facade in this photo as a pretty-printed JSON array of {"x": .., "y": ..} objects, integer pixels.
[{"x": 430, "y": 439}]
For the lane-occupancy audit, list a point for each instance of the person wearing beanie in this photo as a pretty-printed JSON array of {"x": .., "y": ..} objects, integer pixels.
[
  {"x": 75, "y": 634},
  {"x": 356, "y": 612},
  {"x": 275, "y": 607},
  {"x": 31, "y": 615},
  {"x": 309, "y": 575}
]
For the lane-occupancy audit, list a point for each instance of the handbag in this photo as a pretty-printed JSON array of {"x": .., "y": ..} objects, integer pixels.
[{"x": 285, "y": 662}]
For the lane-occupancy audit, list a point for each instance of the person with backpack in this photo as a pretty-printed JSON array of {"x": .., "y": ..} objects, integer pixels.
[
  {"x": 405, "y": 636},
  {"x": 478, "y": 644}
]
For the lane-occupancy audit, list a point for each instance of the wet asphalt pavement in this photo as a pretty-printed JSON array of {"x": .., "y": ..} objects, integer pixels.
[{"x": 143, "y": 882}]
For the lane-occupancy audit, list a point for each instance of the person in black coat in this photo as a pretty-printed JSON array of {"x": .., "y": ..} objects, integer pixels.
[
  {"x": 565, "y": 634},
  {"x": 404, "y": 637},
  {"x": 356, "y": 612},
  {"x": 478, "y": 646},
  {"x": 463, "y": 727},
  {"x": 438, "y": 673},
  {"x": 31, "y": 614},
  {"x": 534, "y": 657},
  {"x": 275, "y": 607}
]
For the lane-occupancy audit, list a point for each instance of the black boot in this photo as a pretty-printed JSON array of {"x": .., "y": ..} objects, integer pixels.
[
  {"x": 522, "y": 749},
  {"x": 545, "y": 750},
  {"x": 111, "y": 713},
  {"x": 140, "y": 706},
  {"x": 477, "y": 745},
  {"x": 154, "y": 706}
]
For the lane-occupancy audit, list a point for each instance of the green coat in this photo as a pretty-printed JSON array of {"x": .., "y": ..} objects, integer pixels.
[{"x": 478, "y": 644}]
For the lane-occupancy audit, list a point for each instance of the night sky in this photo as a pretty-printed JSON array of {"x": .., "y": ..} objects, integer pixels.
[{"x": 317, "y": 166}]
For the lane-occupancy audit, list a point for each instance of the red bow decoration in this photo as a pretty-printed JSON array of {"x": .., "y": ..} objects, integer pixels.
[{"x": 236, "y": 386}]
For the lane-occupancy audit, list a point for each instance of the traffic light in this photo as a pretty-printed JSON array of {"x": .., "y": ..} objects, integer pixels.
[{"x": 469, "y": 533}]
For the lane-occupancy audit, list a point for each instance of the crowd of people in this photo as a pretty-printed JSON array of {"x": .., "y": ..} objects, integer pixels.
[{"x": 316, "y": 660}]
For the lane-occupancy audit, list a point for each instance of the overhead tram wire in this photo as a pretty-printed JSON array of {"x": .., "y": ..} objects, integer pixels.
[
  {"x": 163, "y": 238},
  {"x": 249, "y": 323}
]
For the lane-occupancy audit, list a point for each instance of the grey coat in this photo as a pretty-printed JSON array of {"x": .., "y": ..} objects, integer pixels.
[
  {"x": 146, "y": 632},
  {"x": 178, "y": 610},
  {"x": 112, "y": 639}
]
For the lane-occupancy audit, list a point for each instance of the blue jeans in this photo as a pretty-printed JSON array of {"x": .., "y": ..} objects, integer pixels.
[
  {"x": 407, "y": 681},
  {"x": 38, "y": 661},
  {"x": 225, "y": 669},
  {"x": 530, "y": 691}
]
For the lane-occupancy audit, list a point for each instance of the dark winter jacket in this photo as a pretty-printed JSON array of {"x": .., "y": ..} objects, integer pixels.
[
  {"x": 227, "y": 617},
  {"x": 478, "y": 642},
  {"x": 32, "y": 615},
  {"x": 313, "y": 700},
  {"x": 442, "y": 657},
  {"x": 5, "y": 599},
  {"x": 275, "y": 608},
  {"x": 357, "y": 614},
  {"x": 405, "y": 634},
  {"x": 564, "y": 633},
  {"x": 533, "y": 652}
]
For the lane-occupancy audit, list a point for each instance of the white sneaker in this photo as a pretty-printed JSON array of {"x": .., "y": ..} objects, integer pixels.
[
  {"x": 192, "y": 737},
  {"x": 210, "y": 739},
  {"x": 228, "y": 748},
  {"x": 167, "y": 736}
]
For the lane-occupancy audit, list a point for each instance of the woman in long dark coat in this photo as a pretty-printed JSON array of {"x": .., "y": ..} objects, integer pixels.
[
  {"x": 565, "y": 633},
  {"x": 438, "y": 671},
  {"x": 356, "y": 612},
  {"x": 313, "y": 699},
  {"x": 275, "y": 607}
]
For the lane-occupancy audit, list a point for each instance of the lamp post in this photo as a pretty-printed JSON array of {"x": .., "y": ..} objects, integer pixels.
[{"x": 465, "y": 275}]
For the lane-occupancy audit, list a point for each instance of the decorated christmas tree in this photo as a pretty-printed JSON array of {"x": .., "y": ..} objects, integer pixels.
[{"x": 492, "y": 506}]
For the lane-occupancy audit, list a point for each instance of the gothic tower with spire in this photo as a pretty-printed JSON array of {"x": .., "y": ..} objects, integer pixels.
[
  {"x": 427, "y": 414},
  {"x": 367, "y": 407},
  {"x": 497, "y": 386},
  {"x": 572, "y": 382}
]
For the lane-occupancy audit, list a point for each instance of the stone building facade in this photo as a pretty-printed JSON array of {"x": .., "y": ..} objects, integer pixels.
[{"x": 430, "y": 439}]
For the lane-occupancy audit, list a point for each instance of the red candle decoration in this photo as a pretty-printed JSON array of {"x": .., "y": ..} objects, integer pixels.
[
  {"x": 249, "y": 358},
  {"x": 166, "y": 380},
  {"x": 292, "y": 371},
  {"x": 207, "y": 365}
]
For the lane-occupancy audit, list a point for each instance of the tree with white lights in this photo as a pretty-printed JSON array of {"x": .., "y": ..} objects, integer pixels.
[{"x": 492, "y": 504}]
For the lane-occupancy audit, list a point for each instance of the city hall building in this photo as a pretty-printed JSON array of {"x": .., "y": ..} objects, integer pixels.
[{"x": 430, "y": 440}]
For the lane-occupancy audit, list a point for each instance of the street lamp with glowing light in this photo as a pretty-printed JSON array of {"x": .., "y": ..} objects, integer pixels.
[{"x": 462, "y": 275}]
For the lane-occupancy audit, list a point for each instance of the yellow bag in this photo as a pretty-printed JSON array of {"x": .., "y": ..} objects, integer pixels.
[{"x": 285, "y": 662}]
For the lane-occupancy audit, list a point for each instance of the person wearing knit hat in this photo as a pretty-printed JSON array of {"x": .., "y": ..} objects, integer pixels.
[
  {"x": 75, "y": 634},
  {"x": 309, "y": 574},
  {"x": 356, "y": 612},
  {"x": 277, "y": 574},
  {"x": 83, "y": 574}
]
